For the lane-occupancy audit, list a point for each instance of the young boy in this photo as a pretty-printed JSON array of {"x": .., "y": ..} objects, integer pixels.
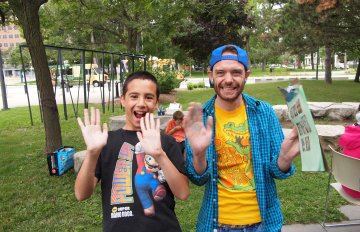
[
  {"x": 175, "y": 129},
  {"x": 140, "y": 169}
]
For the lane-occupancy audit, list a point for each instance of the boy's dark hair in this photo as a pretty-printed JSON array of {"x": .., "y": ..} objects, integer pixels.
[
  {"x": 178, "y": 115},
  {"x": 142, "y": 75}
]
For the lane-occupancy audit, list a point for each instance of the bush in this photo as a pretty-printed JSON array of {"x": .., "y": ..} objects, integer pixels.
[
  {"x": 201, "y": 85},
  {"x": 167, "y": 80},
  {"x": 190, "y": 86}
]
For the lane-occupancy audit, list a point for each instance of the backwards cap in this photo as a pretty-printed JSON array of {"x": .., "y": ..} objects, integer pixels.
[{"x": 217, "y": 56}]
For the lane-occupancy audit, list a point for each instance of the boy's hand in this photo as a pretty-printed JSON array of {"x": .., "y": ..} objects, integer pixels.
[
  {"x": 149, "y": 136},
  {"x": 198, "y": 136},
  {"x": 95, "y": 138}
]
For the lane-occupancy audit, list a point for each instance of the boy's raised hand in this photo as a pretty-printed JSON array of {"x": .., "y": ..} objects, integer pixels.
[
  {"x": 95, "y": 137},
  {"x": 149, "y": 136},
  {"x": 199, "y": 136}
]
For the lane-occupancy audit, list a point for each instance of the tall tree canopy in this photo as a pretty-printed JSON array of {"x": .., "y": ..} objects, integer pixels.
[{"x": 211, "y": 24}]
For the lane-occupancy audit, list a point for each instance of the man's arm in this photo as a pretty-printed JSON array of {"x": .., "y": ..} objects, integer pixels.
[{"x": 95, "y": 139}]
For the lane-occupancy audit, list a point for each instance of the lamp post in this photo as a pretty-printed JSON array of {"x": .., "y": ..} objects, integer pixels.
[{"x": 2, "y": 82}]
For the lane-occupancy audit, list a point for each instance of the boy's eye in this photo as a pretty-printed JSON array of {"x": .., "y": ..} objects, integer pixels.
[{"x": 133, "y": 96}]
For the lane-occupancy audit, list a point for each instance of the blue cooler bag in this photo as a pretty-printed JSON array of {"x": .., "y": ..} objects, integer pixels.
[{"x": 61, "y": 160}]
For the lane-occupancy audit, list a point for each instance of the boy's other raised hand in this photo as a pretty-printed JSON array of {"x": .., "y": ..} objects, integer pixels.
[
  {"x": 149, "y": 136},
  {"x": 95, "y": 137}
]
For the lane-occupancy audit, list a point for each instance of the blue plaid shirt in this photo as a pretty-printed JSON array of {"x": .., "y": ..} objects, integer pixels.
[{"x": 266, "y": 137}]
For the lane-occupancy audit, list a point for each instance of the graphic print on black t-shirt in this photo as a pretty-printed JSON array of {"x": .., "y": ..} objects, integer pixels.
[
  {"x": 122, "y": 189},
  {"x": 148, "y": 179}
]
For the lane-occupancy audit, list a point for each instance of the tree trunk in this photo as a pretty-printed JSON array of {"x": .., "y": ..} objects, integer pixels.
[
  {"x": 328, "y": 79},
  {"x": 357, "y": 75},
  {"x": 132, "y": 39},
  {"x": 312, "y": 61},
  {"x": 263, "y": 66},
  {"x": 28, "y": 14}
]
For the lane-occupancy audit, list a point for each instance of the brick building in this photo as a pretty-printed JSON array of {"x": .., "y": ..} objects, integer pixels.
[{"x": 10, "y": 37}]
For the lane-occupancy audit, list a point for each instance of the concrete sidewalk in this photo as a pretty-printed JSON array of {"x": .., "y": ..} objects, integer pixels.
[{"x": 350, "y": 211}]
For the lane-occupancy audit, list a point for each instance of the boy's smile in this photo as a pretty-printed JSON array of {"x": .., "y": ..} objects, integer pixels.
[{"x": 138, "y": 100}]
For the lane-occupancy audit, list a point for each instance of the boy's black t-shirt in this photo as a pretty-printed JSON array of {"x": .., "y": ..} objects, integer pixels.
[{"x": 130, "y": 183}]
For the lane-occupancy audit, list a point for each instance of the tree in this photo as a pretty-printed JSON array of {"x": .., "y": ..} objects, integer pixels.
[
  {"x": 27, "y": 12},
  {"x": 208, "y": 27},
  {"x": 330, "y": 23}
]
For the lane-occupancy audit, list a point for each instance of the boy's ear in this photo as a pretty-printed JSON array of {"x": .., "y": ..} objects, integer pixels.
[{"x": 122, "y": 100}]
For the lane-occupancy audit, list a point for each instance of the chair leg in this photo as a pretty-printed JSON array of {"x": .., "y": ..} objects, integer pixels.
[{"x": 327, "y": 200}]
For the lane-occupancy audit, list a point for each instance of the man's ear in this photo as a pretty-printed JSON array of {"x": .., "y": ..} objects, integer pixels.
[{"x": 211, "y": 78}]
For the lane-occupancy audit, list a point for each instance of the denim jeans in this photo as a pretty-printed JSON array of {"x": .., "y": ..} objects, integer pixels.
[{"x": 253, "y": 228}]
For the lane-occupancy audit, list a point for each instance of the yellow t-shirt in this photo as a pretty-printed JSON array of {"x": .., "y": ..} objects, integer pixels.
[{"x": 236, "y": 186}]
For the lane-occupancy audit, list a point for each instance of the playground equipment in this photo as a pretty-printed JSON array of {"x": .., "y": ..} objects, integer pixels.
[{"x": 85, "y": 74}]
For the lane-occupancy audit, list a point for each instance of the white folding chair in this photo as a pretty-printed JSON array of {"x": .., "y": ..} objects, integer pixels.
[{"x": 346, "y": 171}]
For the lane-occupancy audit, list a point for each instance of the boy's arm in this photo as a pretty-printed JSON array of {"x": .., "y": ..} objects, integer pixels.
[
  {"x": 178, "y": 183},
  {"x": 149, "y": 138},
  {"x": 86, "y": 181},
  {"x": 95, "y": 139}
]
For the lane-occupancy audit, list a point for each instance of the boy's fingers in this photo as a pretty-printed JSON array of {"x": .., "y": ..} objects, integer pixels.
[
  {"x": 151, "y": 121},
  {"x": 92, "y": 116},
  {"x": 97, "y": 117},
  {"x": 81, "y": 124},
  {"x": 105, "y": 128},
  {"x": 86, "y": 117}
]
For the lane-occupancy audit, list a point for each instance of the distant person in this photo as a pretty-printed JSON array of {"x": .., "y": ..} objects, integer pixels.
[
  {"x": 176, "y": 130},
  {"x": 239, "y": 156},
  {"x": 140, "y": 169}
]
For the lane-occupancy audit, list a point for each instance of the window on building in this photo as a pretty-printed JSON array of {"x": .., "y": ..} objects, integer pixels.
[
  {"x": 17, "y": 44},
  {"x": 3, "y": 27},
  {"x": 17, "y": 36},
  {"x": 10, "y": 36},
  {"x": 4, "y": 36},
  {"x": 9, "y": 27},
  {"x": 15, "y": 27},
  {"x": 12, "y": 45},
  {"x": 0, "y": 45},
  {"x": 6, "y": 45}
]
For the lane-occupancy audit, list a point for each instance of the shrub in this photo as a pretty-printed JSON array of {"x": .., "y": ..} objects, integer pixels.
[
  {"x": 190, "y": 86},
  {"x": 201, "y": 85},
  {"x": 167, "y": 80}
]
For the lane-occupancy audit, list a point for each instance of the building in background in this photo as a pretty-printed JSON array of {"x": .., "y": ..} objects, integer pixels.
[{"x": 10, "y": 37}]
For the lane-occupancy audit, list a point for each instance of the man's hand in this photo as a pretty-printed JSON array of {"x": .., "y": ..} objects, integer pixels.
[
  {"x": 149, "y": 136},
  {"x": 95, "y": 138},
  {"x": 290, "y": 148},
  {"x": 198, "y": 136}
]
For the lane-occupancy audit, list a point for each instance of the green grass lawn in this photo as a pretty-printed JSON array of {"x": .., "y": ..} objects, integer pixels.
[{"x": 31, "y": 200}]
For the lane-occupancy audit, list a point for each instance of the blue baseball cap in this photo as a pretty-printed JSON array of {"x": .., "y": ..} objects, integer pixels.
[{"x": 217, "y": 56}]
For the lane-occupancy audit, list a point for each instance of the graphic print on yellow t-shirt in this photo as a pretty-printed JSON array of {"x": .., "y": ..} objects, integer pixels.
[
  {"x": 233, "y": 149},
  {"x": 236, "y": 185}
]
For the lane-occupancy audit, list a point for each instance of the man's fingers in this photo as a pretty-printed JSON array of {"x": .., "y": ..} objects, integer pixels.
[{"x": 151, "y": 121}]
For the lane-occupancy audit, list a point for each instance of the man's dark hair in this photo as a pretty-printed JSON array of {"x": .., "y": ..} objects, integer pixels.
[
  {"x": 178, "y": 115},
  {"x": 230, "y": 49},
  {"x": 142, "y": 75}
]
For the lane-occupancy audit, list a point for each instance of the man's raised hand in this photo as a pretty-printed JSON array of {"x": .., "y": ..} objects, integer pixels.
[{"x": 199, "y": 136}]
